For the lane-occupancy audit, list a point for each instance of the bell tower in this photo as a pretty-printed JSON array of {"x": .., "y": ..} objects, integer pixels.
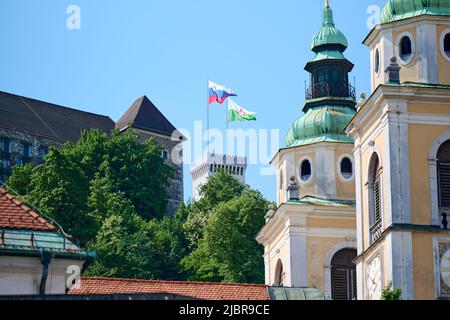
[{"x": 310, "y": 238}]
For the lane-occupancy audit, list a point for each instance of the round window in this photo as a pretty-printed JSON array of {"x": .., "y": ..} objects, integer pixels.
[
  {"x": 305, "y": 170},
  {"x": 405, "y": 48},
  {"x": 377, "y": 61},
  {"x": 347, "y": 168}
]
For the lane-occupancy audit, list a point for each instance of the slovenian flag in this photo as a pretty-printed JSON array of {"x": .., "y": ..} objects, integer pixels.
[
  {"x": 218, "y": 93},
  {"x": 237, "y": 113}
]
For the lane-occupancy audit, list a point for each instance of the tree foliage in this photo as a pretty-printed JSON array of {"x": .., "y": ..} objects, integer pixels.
[
  {"x": 69, "y": 185},
  {"x": 226, "y": 249},
  {"x": 109, "y": 192}
]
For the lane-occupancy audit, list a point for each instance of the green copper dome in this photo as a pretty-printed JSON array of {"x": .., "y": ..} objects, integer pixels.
[
  {"x": 396, "y": 10},
  {"x": 328, "y": 34},
  {"x": 321, "y": 124}
]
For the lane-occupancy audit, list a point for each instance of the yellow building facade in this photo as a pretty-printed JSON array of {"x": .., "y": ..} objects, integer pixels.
[
  {"x": 402, "y": 154},
  {"x": 310, "y": 238}
]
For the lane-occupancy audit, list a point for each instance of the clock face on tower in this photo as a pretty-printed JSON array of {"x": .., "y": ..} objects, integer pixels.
[{"x": 374, "y": 279}]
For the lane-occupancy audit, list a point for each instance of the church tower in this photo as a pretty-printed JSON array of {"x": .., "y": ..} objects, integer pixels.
[
  {"x": 310, "y": 238},
  {"x": 402, "y": 154}
]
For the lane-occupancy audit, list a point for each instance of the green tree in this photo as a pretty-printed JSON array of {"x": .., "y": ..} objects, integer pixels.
[
  {"x": 226, "y": 249},
  {"x": 20, "y": 178},
  {"x": 68, "y": 186},
  {"x": 220, "y": 188},
  {"x": 129, "y": 247}
]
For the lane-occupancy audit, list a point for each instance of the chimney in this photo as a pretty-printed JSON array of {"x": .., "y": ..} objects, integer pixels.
[{"x": 393, "y": 72}]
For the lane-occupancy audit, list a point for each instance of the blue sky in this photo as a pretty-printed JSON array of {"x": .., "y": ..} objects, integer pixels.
[{"x": 167, "y": 50}]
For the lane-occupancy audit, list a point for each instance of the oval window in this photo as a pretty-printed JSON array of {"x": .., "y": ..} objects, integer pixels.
[
  {"x": 405, "y": 48},
  {"x": 377, "y": 61},
  {"x": 281, "y": 180},
  {"x": 305, "y": 170},
  {"x": 347, "y": 168},
  {"x": 447, "y": 45}
]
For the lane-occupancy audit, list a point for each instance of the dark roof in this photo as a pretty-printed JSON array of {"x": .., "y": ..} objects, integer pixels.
[
  {"x": 48, "y": 120},
  {"x": 143, "y": 114}
]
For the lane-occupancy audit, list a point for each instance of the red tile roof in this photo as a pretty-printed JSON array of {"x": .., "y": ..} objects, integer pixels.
[
  {"x": 16, "y": 215},
  {"x": 196, "y": 290}
]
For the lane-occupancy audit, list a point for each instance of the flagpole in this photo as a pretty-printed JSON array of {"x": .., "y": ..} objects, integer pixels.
[
  {"x": 207, "y": 112},
  {"x": 226, "y": 126}
]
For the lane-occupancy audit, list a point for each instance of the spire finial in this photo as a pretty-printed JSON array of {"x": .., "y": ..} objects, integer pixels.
[{"x": 327, "y": 3}]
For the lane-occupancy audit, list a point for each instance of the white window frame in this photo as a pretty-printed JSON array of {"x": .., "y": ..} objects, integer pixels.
[
  {"x": 338, "y": 167},
  {"x": 377, "y": 51},
  {"x": 441, "y": 44},
  {"x": 413, "y": 48},
  {"x": 299, "y": 169}
]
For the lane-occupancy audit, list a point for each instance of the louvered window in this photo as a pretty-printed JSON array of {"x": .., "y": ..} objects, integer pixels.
[
  {"x": 377, "y": 200},
  {"x": 444, "y": 175},
  {"x": 376, "y": 214},
  {"x": 343, "y": 275}
]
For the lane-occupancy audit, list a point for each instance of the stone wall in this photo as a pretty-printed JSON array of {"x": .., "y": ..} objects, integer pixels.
[
  {"x": 37, "y": 149},
  {"x": 174, "y": 150}
]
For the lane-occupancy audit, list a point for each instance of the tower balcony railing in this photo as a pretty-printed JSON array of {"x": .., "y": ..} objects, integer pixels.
[{"x": 325, "y": 89}]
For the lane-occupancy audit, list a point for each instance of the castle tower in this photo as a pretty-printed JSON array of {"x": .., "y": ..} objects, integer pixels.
[
  {"x": 210, "y": 164},
  {"x": 144, "y": 118},
  {"x": 310, "y": 239},
  {"x": 402, "y": 154}
]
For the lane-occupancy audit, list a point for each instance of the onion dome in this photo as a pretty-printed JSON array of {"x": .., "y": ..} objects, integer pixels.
[
  {"x": 321, "y": 124},
  {"x": 328, "y": 34},
  {"x": 330, "y": 104},
  {"x": 396, "y": 10}
]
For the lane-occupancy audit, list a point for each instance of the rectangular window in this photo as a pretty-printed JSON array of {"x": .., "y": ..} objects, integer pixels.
[
  {"x": 43, "y": 151},
  {"x": 26, "y": 150},
  {"x": 5, "y": 145}
]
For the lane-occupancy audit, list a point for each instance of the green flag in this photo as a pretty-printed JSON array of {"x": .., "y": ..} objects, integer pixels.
[{"x": 237, "y": 113}]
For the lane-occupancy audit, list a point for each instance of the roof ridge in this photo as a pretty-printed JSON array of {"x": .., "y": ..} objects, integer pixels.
[
  {"x": 174, "y": 282},
  {"x": 53, "y": 104}
]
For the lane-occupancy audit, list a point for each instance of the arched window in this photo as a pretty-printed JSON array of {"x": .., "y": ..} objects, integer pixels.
[
  {"x": 375, "y": 198},
  {"x": 443, "y": 167},
  {"x": 405, "y": 48},
  {"x": 279, "y": 274},
  {"x": 343, "y": 275},
  {"x": 305, "y": 170}
]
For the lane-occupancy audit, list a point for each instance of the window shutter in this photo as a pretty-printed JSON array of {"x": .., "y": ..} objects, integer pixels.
[
  {"x": 340, "y": 284},
  {"x": 377, "y": 200},
  {"x": 343, "y": 275},
  {"x": 444, "y": 175},
  {"x": 444, "y": 185}
]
